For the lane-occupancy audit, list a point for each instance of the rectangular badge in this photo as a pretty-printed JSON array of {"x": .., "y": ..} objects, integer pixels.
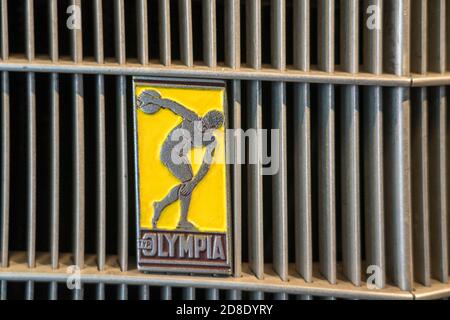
[{"x": 183, "y": 211}]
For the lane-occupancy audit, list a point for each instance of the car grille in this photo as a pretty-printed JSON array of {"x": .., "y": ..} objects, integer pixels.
[{"x": 357, "y": 89}]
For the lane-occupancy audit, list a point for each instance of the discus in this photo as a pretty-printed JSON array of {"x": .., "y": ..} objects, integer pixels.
[{"x": 145, "y": 103}]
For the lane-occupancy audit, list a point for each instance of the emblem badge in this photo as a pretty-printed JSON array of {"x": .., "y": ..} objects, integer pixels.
[{"x": 183, "y": 215}]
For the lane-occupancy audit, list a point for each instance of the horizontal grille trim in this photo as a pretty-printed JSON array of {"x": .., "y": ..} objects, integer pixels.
[
  {"x": 262, "y": 74},
  {"x": 19, "y": 271}
]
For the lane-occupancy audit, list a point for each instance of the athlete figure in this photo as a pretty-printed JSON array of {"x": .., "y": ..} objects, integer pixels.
[{"x": 150, "y": 102}]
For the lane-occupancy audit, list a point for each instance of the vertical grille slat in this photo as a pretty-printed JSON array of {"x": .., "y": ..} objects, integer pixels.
[
  {"x": 301, "y": 32},
  {"x": 420, "y": 185},
  {"x": 53, "y": 30},
  {"x": 212, "y": 294},
  {"x": 233, "y": 33},
  {"x": 79, "y": 174},
  {"x": 253, "y": 33},
  {"x": 3, "y": 290},
  {"x": 256, "y": 295},
  {"x": 100, "y": 146},
  {"x": 31, "y": 148},
  {"x": 78, "y": 153},
  {"x": 166, "y": 293},
  {"x": 4, "y": 30},
  {"x": 278, "y": 34},
  {"x": 234, "y": 295},
  {"x": 55, "y": 146},
  {"x": 189, "y": 293},
  {"x": 326, "y": 144},
  {"x": 436, "y": 36},
  {"x": 186, "y": 45},
  {"x": 350, "y": 180},
  {"x": 419, "y": 147},
  {"x": 279, "y": 184},
  {"x": 100, "y": 291},
  {"x": 31, "y": 166},
  {"x": 6, "y": 150},
  {"x": 142, "y": 31},
  {"x": 397, "y": 157},
  {"x": 373, "y": 149},
  {"x": 55, "y": 176},
  {"x": 255, "y": 184},
  {"x": 437, "y": 145},
  {"x": 76, "y": 38},
  {"x": 255, "y": 181},
  {"x": 237, "y": 176},
  {"x": 29, "y": 290},
  {"x": 54, "y": 153},
  {"x": 303, "y": 220},
  {"x": 144, "y": 293},
  {"x": 281, "y": 296},
  {"x": 279, "y": 180},
  {"x": 209, "y": 33},
  {"x": 101, "y": 143},
  {"x": 164, "y": 32},
  {"x": 122, "y": 176},
  {"x": 398, "y": 201},
  {"x": 119, "y": 31},
  {"x": 438, "y": 183},
  {"x": 302, "y": 146},
  {"x": 122, "y": 162},
  {"x": 350, "y": 185},
  {"x": 447, "y": 37},
  {"x": 78, "y": 146},
  {"x": 53, "y": 291},
  {"x": 98, "y": 31},
  {"x": 419, "y": 47},
  {"x": 5, "y": 169},
  {"x": 101, "y": 171},
  {"x": 5, "y": 140}
]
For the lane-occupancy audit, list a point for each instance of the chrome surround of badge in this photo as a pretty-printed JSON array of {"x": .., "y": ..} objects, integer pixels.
[{"x": 184, "y": 248}]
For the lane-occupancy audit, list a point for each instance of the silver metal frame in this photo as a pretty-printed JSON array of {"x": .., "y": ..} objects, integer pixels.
[{"x": 184, "y": 83}]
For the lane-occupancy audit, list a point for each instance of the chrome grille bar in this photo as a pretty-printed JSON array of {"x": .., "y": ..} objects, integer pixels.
[
  {"x": 142, "y": 30},
  {"x": 209, "y": 33},
  {"x": 438, "y": 158},
  {"x": 164, "y": 32},
  {"x": 302, "y": 147},
  {"x": 373, "y": 153},
  {"x": 350, "y": 180},
  {"x": 239, "y": 152},
  {"x": 55, "y": 149},
  {"x": 279, "y": 182},
  {"x": 101, "y": 146},
  {"x": 397, "y": 157},
  {"x": 419, "y": 147},
  {"x": 233, "y": 34},
  {"x": 31, "y": 147},
  {"x": 327, "y": 191},
  {"x": 185, "y": 18},
  {"x": 6, "y": 148},
  {"x": 122, "y": 163},
  {"x": 255, "y": 185}
]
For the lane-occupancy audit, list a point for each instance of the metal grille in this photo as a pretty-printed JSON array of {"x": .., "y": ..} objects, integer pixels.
[{"x": 363, "y": 119}]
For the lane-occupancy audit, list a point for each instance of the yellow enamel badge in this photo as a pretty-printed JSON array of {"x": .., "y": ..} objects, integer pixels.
[{"x": 181, "y": 175}]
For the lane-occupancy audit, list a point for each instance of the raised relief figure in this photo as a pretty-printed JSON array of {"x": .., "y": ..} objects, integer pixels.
[{"x": 175, "y": 148}]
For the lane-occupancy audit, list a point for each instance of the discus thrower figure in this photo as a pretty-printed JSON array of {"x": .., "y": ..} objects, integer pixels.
[{"x": 150, "y": 102}]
